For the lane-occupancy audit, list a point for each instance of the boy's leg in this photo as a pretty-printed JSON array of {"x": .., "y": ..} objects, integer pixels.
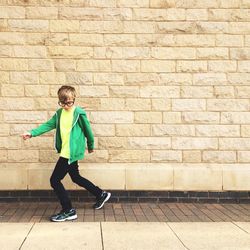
[
  {"x": 83, "y": 182},
  {"x": 61, "y": 169}
]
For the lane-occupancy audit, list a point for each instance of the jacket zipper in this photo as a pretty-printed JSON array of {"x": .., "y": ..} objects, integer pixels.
[{"x": 70, "y": 137}]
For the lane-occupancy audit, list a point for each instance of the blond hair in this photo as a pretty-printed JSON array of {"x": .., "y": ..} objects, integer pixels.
[{"x": 66, "y": 92}]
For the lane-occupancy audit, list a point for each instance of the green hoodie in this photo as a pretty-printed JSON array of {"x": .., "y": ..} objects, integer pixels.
[{"x": 80, "y": 129}]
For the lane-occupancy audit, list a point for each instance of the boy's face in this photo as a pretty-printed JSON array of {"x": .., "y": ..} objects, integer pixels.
[{"x": 67, "y": 104}]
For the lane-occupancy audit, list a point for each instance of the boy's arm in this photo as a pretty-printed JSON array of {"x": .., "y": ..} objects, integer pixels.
[
  {"x": 45, "y": 127},
  {"x": 85, "y": 125}
]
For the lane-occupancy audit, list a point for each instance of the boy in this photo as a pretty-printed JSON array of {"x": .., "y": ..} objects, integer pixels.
[{"x": 72, "y": 126}]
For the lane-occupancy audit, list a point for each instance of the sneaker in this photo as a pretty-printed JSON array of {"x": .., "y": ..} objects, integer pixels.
[
  {"x": 100, "y": 202},
  {"x": 64, "y": 215}
]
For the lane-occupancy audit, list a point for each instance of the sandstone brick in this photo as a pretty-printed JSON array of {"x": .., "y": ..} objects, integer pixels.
[
  {"x": 210, "y": 79},
  {"x": 29, "y": 25},
  {"x": 151, "y": 14},
  {"x": 243, "y": 66},
  {"x": 52, "y": 78},
  {"x": 244, "y": 156},
  {"x": 89, "y": 103},
  {"x": 132, "y": 130},
  {"x": 155, "y": 40},
  {"x": 176, "y": 27},
  {"x": 10, "y": 38},
  {"x": 64, "y": 26},
  {"x": 224, "y": 91},
  {"x": 148, "y": 117},
  {"x": 3, "y": 155},
  {"x": 212, "y": 27},
  {"x": 239, "y": 78},
  {"x": 112, "y": 117},
  {"x": 235, "y": 117},
  {"x": 234, "y": 144},
  {"x": 192, "y": 156},
  {"x": 149, "y": 142},
  {"x": 196, "y": 14},
  {"x": 94, "y": 65},
  {"x": 112, "y": 143},
  {"x": 24, "y": 116},
  {"x": 166, "y": 156},
  {"x": 65, "y": 65},
  {"x": 124, "y": 66},
  {"x": 86, "y": 39},
  {"x": 197, "y": 91},
  {"x": 222, "y": 66},
  {"x": 6, "y": 51},
  {"x": 13, "y": 64},
  {"x": 245, "y": 130},
  {"x": 4, "y": 129},
  {"x": 108, "y": 79},
  {"x": 141, "y": 79},
  {"x": 173, "y": 130},
  {"x": 34, "y": 39},
  {"x": 229, "y": 4},
  {"x": 57, "y": 39},
  {"x": 247, "y": 40},
  {"x": 94, "y": 91},
  {"x": 36, "y": 90},
  {"x": 171, "y": 117},
  {"x": 245, "y": 4},
  {"x": 24, "y": 77},
  {"x": 112, "y": 104},
  {"x": 201, "y": 117},
  {"x": 240, "y": 27},
  {"x": 173, "y": 53},
  {"x": 78, "y": 78},
  {"x": 103, "y": 129},
  {"x": 160, "y": 91},
  {"x": 139, "y": 27},
  {"x": 97, "y": 156},
  {"x": 191, "y": 143},
  {"x": 117, "y": 13},
  {"x": 22, "y": 155},
  {"x": 41, "y": 65},
  {"x": 212, "y": 53},
  {"x": 129, "y": 156},
  {"x": 242, "y": 91},
  {"x": 108, "y": 53},
  {"x": 225, "y": 40},
  {"x": 12, "y": 12},
  {"x": 133, "y": 104},
  {"x": 46, "y": 104},
  {"x": 188, "y": 105},
  {"x": 119, "y": 39},
  {"x": 12, "y": 90},
  {"x": 217, "y": 130},
  {"x": 240, "y": 53},
  {"x": 227, "y": 105},
  {"x": 101, "y": 27},
  {"x": 41, "y": 12},
  {"x": 176, "y": 79},
  {"x": 191, "y": 66},
  {"x": 12, "y": 103},
  {"x": 160, "y": 104},
  {"x": 19, "y": 129},
  {"x": 29, "y": 51},
  {"x": 4, "y": 77},
  {"x": 10, "y": 142},
  {"x": 48, "y": 156},
  {"x": 124, "y": 91},
  {"x": 70, "y": 13}
]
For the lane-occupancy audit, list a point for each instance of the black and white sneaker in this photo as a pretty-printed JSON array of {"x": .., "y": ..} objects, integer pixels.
[
  {"x": 64, "y": 215},
  {"x": 103, "y": 198}
]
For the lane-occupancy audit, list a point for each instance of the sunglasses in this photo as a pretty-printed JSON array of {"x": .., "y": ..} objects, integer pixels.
[{"x": 69, "y": 103}]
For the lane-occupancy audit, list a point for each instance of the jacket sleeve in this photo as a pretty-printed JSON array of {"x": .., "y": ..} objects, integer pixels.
[
  {"x": 45, "y": 127},
  {"x": 85, "y": 125}
]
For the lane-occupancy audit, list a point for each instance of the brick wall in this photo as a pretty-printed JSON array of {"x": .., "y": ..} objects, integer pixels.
[{"x": 165, "y": 84}]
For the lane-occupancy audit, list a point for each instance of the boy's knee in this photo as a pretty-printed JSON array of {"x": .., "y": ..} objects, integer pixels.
[{"x": 53, "y": 182}]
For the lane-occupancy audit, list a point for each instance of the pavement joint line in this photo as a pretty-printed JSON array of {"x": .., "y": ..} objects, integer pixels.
[
  {"x": 27, "y": 236},
  {"x": 233, "y": 222},
  {"x": 101, "y": 236},
  {"x": 167, "y": 224}
]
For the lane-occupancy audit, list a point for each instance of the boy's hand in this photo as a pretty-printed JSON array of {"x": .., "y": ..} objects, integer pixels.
[
  {"x": 26, "y": 135},
  {"x": 90, "y": 151}
]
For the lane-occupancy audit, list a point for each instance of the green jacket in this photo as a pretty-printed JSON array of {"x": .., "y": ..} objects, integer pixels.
[{"x": 80, "y": 129}]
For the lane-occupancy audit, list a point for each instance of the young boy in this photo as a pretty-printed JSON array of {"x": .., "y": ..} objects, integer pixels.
[{"x": 72, "y": 126}]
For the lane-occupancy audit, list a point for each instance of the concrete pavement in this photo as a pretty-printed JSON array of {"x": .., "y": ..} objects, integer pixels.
[{"x": 125, "y": 235}]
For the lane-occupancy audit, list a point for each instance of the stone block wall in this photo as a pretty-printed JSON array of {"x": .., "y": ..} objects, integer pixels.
[{"x": 165, "y": 83}]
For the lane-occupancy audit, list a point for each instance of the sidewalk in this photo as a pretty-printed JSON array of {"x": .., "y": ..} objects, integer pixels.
[{"x": 120, "y": 226}]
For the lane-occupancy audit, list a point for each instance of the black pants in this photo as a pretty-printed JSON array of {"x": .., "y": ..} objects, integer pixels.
[{"x": 61, "y": 169}]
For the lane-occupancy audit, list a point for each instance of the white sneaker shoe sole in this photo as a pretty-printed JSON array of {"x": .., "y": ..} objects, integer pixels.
[
  {"x": 73, "y": 217},
  {"x": 107, "y": 198}
]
